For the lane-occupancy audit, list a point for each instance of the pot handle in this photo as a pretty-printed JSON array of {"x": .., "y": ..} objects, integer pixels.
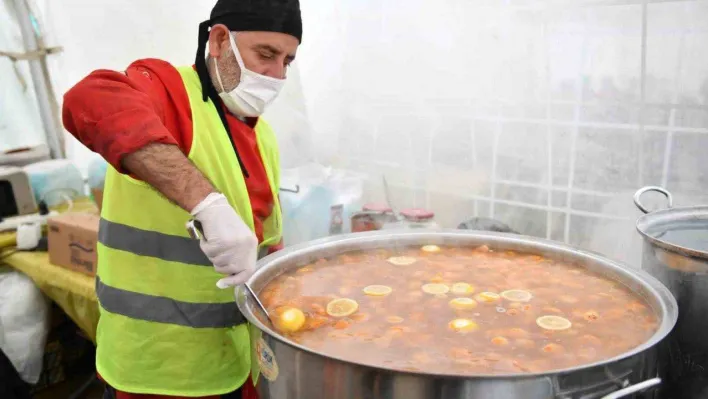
[
  {"x": 633, "y": 388},
  {"x": 638, "y": 194}
]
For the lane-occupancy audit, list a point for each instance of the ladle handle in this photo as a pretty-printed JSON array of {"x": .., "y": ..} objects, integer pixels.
[
  {"x": 633, "y": 389},
  {"x": 641, "y": 191},
  {"x": 194, "y": 228},
  {"x": 258, "y": 301}
]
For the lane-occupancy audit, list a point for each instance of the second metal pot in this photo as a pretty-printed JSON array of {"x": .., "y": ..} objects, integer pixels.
[{"x": 675, "y": 251}]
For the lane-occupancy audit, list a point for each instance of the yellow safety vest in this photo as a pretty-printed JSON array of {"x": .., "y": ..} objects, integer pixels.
[{"x": 165, "y": 328}]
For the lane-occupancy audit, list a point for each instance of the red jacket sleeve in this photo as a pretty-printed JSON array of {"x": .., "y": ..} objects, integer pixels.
[{"x": 114, "y": 113}]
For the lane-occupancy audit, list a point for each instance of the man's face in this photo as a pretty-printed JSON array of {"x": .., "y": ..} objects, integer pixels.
[{"x": 266, "y": 53}]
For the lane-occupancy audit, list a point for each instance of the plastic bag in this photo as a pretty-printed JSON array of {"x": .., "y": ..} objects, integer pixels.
[
  {"x": 318, "y": 201},
  {"x": 24, "y": 323},
  {"x": 54, "y": 181},
  {"x": 97, "y": 173}
]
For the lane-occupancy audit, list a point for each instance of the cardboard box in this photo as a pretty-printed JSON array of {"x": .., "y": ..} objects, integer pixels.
[
  {"x": 97, "y": 197},
  {"x": 72, "y": 241}
]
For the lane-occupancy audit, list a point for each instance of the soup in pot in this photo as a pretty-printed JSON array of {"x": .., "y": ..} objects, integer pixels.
[{"x": 452, "y": 310}]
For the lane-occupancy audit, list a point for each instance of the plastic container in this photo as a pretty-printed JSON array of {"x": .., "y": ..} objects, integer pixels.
[
  {"x": 55, "y": 181},
  {"x": 318, "y": 201},
  {"x": 378, "y": 208}
]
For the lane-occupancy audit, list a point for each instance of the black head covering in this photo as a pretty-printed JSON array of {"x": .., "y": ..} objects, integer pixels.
[{"x": 244, "y": 15}]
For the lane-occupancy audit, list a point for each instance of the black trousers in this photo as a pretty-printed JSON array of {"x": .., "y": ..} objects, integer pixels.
[{"x": 11, "y": 385}]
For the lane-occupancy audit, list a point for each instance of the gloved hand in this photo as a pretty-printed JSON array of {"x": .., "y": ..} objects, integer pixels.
[{"x": 226, "y": 240}]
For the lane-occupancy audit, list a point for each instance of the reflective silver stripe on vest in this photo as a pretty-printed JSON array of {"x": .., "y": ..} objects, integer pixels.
[
  {"x": 263, "y": 252},
  {"x": 166, "y": 310},
  {"x": 151, "y": 243},
  {"x": 157, "y": 245}
]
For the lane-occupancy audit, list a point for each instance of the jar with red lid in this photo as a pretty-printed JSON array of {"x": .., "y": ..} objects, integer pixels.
[
  {"x": 373, "y": 216},
  {"x": 377, "y": 207},
  {"x": 414, "y": 218}
]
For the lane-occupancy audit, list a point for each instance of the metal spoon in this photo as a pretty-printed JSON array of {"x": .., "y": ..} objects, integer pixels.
[
  {"x": 387, "y": 196},
  {"x": 396, "y": 215},
  {"x": 194, "y": 228}
]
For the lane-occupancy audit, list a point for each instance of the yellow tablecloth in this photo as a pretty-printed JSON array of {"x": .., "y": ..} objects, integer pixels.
[
  {"x": 74, "y": 292},
  {"x": 7, "y": 240}
]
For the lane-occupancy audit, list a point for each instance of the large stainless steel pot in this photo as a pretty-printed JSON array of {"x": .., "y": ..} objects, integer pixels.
[
  {"x": 291, "y": 371},
  {"x": 675, "y": 252}
]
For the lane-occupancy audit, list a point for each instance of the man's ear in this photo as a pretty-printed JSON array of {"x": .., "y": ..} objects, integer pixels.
[{"x": 218, "y": 40}]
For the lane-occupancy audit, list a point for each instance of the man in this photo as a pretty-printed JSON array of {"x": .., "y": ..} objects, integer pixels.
[{"x": 186, "y": 143}]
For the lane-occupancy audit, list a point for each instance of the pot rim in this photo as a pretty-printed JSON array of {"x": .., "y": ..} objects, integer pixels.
[
  {"x": 672, "y": 215},
  {"x": 668, "y": 306}
]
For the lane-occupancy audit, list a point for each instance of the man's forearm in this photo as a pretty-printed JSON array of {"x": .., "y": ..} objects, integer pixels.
[{"x": 165, "y": 167}]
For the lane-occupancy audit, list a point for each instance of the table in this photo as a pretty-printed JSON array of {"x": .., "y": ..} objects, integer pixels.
[{"x": 74, "y": 292}]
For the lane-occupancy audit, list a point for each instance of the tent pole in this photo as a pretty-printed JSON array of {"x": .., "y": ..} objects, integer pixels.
[{"x": 48, "y": 108}]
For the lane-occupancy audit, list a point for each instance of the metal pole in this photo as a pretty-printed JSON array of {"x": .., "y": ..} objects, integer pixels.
[{"x": 48, "y": 108}]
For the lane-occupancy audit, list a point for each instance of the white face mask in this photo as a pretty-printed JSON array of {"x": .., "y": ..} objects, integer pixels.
[{"x": 254, "y": 91}]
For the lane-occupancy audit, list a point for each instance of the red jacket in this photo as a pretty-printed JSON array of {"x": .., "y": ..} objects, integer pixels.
[{"x": 114, "y": 114}]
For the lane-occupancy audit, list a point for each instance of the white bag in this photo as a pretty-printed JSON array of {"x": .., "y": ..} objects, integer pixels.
[
  {"x": 323, "y": 205},
  {"x": 24, "y": 323}
]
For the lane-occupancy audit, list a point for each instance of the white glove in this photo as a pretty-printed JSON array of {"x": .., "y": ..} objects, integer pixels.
[{"x": 226, "y": 240}]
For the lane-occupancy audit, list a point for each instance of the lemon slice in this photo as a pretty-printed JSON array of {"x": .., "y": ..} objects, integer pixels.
[
  {"x": 430, "y": 248},
  {"x": 517, "y": 295},
  {"x": 462, "y": 289},
  {"x": 401, "y": 260},
  {"x": 342, "y": 307},
  {"x": 463, "y": 325},
  {"x": 377, "y": 290},
  {"x": 289, "y": 320},
  {"x": 555, "y": 323},
  {"x": 435, "y": 289},
  {"x": 487, "y": 297},
  {"x": 463, "y": 303}
]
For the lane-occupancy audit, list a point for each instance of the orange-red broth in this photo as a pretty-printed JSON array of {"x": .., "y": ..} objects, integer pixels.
[{"x": 410, "y": 329}]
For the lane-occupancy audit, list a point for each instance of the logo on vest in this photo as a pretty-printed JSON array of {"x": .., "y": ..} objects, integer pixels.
[{"x": 266, "y": 360}]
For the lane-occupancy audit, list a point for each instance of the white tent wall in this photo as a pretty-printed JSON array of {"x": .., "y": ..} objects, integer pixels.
[
  {"x": 547, "y": 115},
  {"x": 104, "y": 34},
  {"x": 20, "y": 125}
]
